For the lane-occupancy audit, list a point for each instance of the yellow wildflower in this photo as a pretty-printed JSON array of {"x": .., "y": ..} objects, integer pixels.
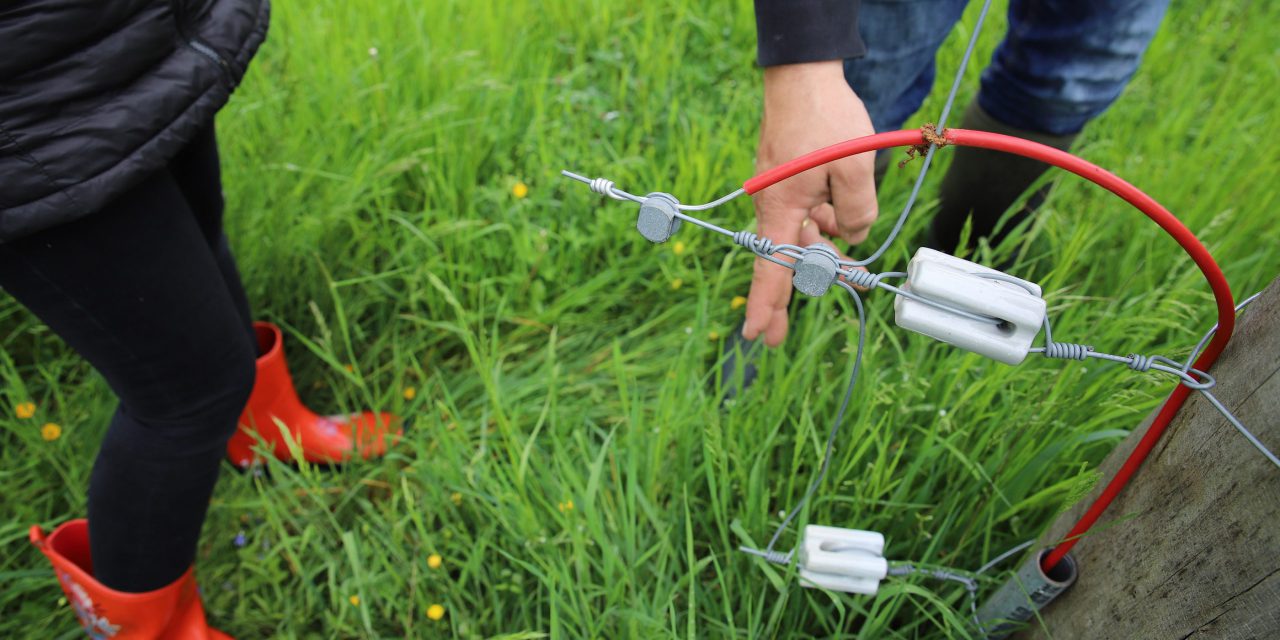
[
  {"x": 566, "y": 506},
  {"x": 456, "y": 498},
  {"x": 434, "y": 560},
  {"x": 713, "y": 336},
  {"x": 410, "y": 393},
  {"x": 355, "y": 601},
  {"x": 520, "y": 190},
  {"x": 50, "y": 432},
  {"x": 737, "y": 303},
  {"x": 677, "y": 248},
  {"x": 435, "y": 612},
  {"x": 677, "y": 283},
  {"x": 25, "y": 410}
]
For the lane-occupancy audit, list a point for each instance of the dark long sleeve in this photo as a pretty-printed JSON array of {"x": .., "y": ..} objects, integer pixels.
[{"x": 794, "y": 31}]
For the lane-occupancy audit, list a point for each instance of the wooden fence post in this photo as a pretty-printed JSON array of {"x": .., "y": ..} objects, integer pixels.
[{"x": 1191, "y": 548}]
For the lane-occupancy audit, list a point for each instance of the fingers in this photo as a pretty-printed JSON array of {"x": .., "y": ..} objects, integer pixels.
[
  {"x": 824, "y": 217},
  {"x": 813, "y": 234},
  {"x": 853, "y": 196},
  {"x": 771, "y": 283}
]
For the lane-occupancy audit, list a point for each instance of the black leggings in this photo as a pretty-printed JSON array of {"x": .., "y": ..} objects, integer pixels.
[{"x": 146, "y": 290}]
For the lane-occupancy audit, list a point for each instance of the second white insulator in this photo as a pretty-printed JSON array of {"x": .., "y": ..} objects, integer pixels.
[{"x": 847, "y": 560}]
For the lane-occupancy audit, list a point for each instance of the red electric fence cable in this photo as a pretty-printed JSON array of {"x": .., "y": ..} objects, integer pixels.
[{"x": 1110, "y": 182}]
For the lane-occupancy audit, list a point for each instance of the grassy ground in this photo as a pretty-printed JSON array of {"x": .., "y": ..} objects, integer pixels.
[{"x": 567, "y": 460}]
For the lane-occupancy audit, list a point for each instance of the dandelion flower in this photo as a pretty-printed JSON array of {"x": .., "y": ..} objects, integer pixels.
[
  {"x": 434, "y": 561},
  {"x": 677, "y": 248},
  {"x": 355, "y": 601},
  {"x": 435, "y": 612},
  {"x": 677, "y": 283},
  {"x": 25, "y": 410},
  {"x": 50, "y": 432},
  {"x": 456, "y": 498},
  {"x": 738, "y": 302},
  {"x": 520, "y": 190},
  {"x": 410, "y": 393}
]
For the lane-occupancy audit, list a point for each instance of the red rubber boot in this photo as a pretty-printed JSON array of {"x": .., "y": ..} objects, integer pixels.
[
  {"x": 274, "y": 405},
  {"x": 168, "y": 613}
]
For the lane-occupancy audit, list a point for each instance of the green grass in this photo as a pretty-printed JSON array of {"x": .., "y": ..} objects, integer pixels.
[{"x": 556, "y": 360}]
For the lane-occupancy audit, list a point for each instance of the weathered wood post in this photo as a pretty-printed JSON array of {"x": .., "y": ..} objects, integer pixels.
[{"x": 1191, "y": 548}]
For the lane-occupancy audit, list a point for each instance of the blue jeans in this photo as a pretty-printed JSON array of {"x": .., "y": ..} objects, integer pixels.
[{"x": 1061, "y": 63}]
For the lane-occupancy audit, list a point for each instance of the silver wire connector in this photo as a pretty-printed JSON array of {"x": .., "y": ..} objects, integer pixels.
[
  {"x": 845, "y": 560},
  {"x": 657, "y": 220},
  {"x": 816, "y": 270}
]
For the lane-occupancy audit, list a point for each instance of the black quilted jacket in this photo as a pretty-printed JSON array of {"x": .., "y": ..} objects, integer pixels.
[{"x": 95, "y": 95}]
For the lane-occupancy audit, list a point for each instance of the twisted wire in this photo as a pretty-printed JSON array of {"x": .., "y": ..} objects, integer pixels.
[
  {"x": 754, "y": 242},
  {"x": 776, "y": 557},
  {"x": 1139, "y": 362},
  {"x": 602, "y": 186},
  {"x": 864, "y": 279},
  {"x": 1065, "y": 350}
]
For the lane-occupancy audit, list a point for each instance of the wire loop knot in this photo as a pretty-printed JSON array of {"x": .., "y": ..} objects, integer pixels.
[
  {"x": 604, "y": 187},
  {"x": 1067, "y": 350},
  {"x": 756, "y": 243},
  {"x": 864, "y": 279},
  {"x": 1140, "y": 363}
]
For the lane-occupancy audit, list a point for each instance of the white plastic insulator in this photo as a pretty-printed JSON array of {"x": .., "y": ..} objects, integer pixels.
[
  {"x": 845, "y": 560},
  {"x": 950, "y": 280}
]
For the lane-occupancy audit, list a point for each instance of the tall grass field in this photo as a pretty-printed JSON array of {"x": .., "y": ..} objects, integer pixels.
[{"x": 391, "y": 170}]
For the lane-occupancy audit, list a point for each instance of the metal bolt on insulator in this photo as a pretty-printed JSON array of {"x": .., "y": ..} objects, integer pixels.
[
  {"x": 816, "y": 270},
  {"x": 657, "y": 220}
]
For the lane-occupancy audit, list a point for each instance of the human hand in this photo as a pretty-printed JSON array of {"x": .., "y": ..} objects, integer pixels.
[{"x": 806, "y": 107}]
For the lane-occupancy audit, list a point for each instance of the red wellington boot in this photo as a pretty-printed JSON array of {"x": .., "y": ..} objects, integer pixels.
[
  {"x": 274, "y": 405},
  {"x": 168, "y": 613}
]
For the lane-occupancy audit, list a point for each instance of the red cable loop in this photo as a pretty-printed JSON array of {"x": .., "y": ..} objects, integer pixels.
[{"x": 1110, "y": 182}]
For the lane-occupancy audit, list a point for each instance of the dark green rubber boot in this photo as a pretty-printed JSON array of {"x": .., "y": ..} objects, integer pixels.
[{"x": 983, "y": 184}]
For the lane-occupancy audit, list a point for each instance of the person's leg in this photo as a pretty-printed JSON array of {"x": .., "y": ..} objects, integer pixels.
[
  {"x": 135, "y": 289},
  {"x": 197, "y": 173},
  {"x": 1061, "y": 64},
  {"x": 897, "y": 73}
]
